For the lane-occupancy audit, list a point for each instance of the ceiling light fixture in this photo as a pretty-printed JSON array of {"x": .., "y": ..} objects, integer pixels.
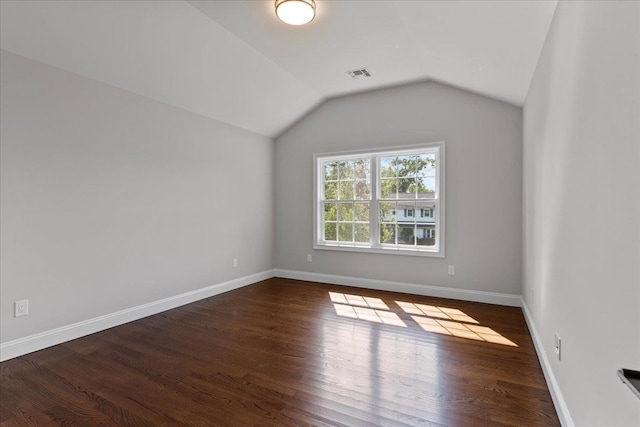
[{"x": 296, "y": 12}]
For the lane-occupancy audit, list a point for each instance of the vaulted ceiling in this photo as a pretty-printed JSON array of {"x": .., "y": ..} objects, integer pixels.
[{"x": 235, "y": 62}]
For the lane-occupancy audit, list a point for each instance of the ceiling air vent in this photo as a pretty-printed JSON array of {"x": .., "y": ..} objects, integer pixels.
[{"x": 361, "y": 73}]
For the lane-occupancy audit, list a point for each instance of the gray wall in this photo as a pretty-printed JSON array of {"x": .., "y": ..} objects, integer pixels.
[
  {"x": 111, "y": 200},
  {"x": 483, "y": 183},
  {"x": 582, "y": 206}
]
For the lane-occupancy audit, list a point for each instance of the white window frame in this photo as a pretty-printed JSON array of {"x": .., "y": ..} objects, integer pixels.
[{"x": 437, "y": 251}]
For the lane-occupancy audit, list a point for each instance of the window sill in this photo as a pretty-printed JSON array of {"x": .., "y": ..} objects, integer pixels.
[{"x": 431, "y": 253}]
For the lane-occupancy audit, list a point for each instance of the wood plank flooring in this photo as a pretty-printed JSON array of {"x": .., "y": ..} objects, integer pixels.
[{"x": 290, "y": 353}]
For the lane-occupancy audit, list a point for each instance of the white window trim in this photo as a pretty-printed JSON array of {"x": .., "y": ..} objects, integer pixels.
[{"x": 373, "y": 247}]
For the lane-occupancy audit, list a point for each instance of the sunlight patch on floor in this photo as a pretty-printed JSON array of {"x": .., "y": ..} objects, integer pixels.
[
  {"x": 456, "y": 329},
  {"x": 377, "y": 316},
  {"x": 358, "y": 300},
  {"x": 435, "y": 311},
  {"x": 431, "y": 318}
]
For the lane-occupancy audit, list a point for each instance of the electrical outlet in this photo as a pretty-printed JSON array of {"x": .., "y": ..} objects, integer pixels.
[
  {"x": 235, "y": 263},
  {"x": 558, "y": 346},
  {"x": 21, "y": 308},
  {"x": 533, "y": 295},
  {"x": 309, "y": 258},
  {"x": 452, "y": 270}
]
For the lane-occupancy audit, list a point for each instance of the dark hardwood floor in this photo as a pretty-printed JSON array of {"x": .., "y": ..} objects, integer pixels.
[{"x": 291, "y": 353}]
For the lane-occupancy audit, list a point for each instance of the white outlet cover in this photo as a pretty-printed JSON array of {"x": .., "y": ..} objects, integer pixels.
[{"x": 21, "y": 308}]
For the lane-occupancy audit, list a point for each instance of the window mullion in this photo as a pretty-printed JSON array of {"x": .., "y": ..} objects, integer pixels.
[
  {"x": 353, "y": 215},
  {"x": 374, "y": 209}
]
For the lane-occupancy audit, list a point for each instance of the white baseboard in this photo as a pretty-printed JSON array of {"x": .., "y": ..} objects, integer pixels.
[
  {"x": 405, "y": 288},
  {"x": 552, "y": 383},
  {"x": 21, "y": 346}
]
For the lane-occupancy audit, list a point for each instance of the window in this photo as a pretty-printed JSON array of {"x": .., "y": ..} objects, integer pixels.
[
  {"x": 367, "y": 201},
  {"x": 426, "y": 212}
]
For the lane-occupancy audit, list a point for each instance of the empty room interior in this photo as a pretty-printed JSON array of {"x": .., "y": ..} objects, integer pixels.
[{"x": 320, "y": 213}]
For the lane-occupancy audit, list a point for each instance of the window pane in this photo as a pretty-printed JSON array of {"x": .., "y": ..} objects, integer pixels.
[
  {"x": 362, "y": 233},
  {"x": 405, "y": 211},
  {"x": 363, "y": 190},
  {"x": 406, "y": 234},
  {"x": 388, "y": 233},
  {"x": 345, "y": 212},
  {"x": 331, "y": 171},
  {"x": 387, "y": 168},
  {"x": 361, "y": 168},
  {"x": 426, "y": 212},
  {"x": 345, "y": 232},
  {"x": 346, "y": 190},
  {"x": 330, "y": 231},
  {"x": 346, "y": 169},
  {"x": 361, "y": 212},
  {"x": 388, "y": 188},
  {"x": 427, "y": 165},
  {"x": 387, "y": 212},
  {"x": 406, "y": 165},
  {"x": 427, "y": 187},
  {"x": 414, "y": 187},
  {"x": 426, "y": 235},
  {"x": 405, "y": 189},
  {"x": 331, "y": 190},
  {"x": 330, "y": 212}
]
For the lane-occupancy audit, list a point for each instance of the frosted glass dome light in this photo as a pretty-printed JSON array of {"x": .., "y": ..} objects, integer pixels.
[{"x": 296, "y": 12}]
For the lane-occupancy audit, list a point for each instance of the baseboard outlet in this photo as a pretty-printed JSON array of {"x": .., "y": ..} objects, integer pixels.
[
  {"x": 552, "y": 383},
  {"x": 405, "y": 288},
  {"x": 21, "y": 346}
]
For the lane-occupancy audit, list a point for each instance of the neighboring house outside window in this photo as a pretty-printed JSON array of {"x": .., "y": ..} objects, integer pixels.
[
  {"x": 426, "y": 212},
  {"x": 367, "y": 201}
]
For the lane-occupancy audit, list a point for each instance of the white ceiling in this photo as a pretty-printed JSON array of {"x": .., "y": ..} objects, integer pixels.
[{"x": 235, "y": 62}]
